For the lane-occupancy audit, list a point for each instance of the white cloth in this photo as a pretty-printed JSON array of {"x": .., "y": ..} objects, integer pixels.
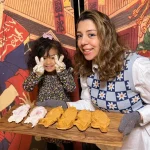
[
  {"x": 139, "y": 138},
  {"x": 85, "y": 103}
]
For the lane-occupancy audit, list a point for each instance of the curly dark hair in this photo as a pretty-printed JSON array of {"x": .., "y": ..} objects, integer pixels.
[
  {"x": 44, "y": 45},
  {"x": 110, "y": 58}
]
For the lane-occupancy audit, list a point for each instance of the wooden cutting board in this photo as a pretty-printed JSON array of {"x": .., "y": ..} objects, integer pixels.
[{"x": 111, "y": 138}]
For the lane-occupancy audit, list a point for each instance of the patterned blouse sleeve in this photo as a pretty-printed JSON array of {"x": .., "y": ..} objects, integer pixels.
[
  {"x": 67, "y": 80},
  {"x": 31, "y": 82}
]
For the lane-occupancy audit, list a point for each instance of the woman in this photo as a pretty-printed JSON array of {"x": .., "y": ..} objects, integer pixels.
[{"x": 110, "y": 79}]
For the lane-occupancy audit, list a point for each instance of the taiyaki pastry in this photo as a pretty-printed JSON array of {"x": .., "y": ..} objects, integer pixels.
[
  {"x": 67, "y": 119},
  {"x": 19, "y": 113},
  {"x": 83, "y": 120},
  {"x": 52, "y": 116},
  {"x": 100, "y": 120},
  {"x": 36, "y": 114}
]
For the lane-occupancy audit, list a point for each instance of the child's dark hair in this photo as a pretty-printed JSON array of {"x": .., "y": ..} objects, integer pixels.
[{"x": 42, "y": 46}]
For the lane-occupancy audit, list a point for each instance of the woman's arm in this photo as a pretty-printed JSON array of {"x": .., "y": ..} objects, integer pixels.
[
  {"x": 85, "y": 103},
  {"x": 141, "y": 80},
  {"x": 67, "y": 80},
  {"x": 31, "y": 82}
]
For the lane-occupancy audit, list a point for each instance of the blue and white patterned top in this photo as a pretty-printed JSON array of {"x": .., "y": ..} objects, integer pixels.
[{"x": 118, "y": 94}]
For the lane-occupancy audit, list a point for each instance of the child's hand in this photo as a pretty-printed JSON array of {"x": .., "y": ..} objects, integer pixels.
[
  {"x": 60, "y": 66},
  {"x": 39, "y": 68},
  {"x": 128, "y": 122}
]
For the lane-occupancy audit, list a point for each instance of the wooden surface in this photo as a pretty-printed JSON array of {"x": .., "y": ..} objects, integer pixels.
[{"x": 111, "y": 138}]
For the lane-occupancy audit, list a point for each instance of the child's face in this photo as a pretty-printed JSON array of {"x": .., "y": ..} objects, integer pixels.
[{"x": 49, "y": 62}]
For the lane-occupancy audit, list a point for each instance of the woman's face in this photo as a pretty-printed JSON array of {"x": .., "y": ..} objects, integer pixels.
[
  {"x": 49, "y": 62},
  {"x": 87, "y": 39}
]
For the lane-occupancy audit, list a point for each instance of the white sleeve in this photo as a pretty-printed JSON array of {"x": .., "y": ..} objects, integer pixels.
[
  {"x": 141, "y": 80},
  {"x": 85, "y": 102}
]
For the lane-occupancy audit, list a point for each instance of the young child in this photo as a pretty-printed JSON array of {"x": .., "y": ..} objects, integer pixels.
[{"x": 51, "y": 70}]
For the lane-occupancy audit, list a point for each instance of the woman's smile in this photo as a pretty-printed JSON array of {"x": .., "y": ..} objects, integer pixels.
[{"x": 87, "y": 39}]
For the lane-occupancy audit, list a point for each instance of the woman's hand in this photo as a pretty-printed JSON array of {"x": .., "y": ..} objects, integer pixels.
[
  {"x": 60, "y": 66},
  {"x": 128, "y": 122},
  {"x": 39, "y": 68}
]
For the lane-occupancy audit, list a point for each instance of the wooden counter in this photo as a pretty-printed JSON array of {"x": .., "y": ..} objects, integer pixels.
[{"x": 111, "y": 138}]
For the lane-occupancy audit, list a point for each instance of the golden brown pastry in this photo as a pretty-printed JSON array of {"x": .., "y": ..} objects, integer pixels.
[
  {"x": 67, "y": 119},
  {"x": 83, "y": 120},
  {"x": 100, "y": 120},
  {"x": 52, "y": 116}
]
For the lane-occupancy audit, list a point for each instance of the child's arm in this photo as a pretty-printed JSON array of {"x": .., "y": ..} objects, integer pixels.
[
  {"x": 65, "y": 76},
  {"x": 35, "y": 76},
  {"x": 31, "y": 82}
]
